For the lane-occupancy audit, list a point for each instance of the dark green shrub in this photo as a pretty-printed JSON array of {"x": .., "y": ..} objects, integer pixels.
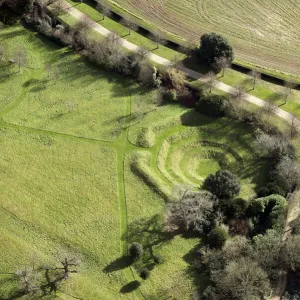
[
  {"x": 136, "y": 250},
  {"x": 217, "y": 237},
  {"x": 263, "y": 191},
  {"x": 213, "y": 105},
  {"x": 158, "y": 259},
  {"x": 267, "y": 212},
  {"x": 145, "y": 273},
  {"x": 223, "y": 184},
  {"x": 235, "y": 208},
  {"x": 169, "y": 95}
]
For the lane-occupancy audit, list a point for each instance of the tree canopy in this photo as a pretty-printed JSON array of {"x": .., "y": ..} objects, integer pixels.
[{"x": 213, "y": 47}]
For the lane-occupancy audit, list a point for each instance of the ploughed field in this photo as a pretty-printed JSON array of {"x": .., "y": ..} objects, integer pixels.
[{"x": 263, "y": 32}]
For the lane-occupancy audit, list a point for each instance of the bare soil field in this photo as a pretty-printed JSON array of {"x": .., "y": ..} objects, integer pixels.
[{"x": 264, "y": 33}]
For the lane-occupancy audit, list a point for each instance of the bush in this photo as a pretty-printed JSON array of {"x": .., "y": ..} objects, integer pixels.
[
  {"x": 263, "y": 191},
  {"x": 146, "y": 138},
  {"x": 158, "y": 259},
  {"x": 223, "y": 184},
  {"x": 169, "y": 95},
  {"x": 235, "y": 208},
  {"x": 267, "y": 212},
  {"x": 217, "y": 237},
  {"x": 145, "y": 273},
  {"x": 136, "y": 250},
  {"x": 214, "y": 47},
  {"x": 213, "y": 105}
]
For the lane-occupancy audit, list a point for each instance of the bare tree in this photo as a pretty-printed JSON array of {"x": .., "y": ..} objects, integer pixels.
[
  {"x": 84, "y": 23},
  {"x": 210, "y": 81},
  {"x": 288, "y": 88},
  {"x": 222, "y": 63},
  {"x": 191, "y": 212},
  {"x": 141, "y": 54},
  {"x": 158, "y": 38},
  {"x": 294, "y": 126},
  {"x": 59, "y": 7},
  {"x": 255, "y": 75},
  {"x": 239, "y": 93},
  {"x": 130, "y": 24},
  {"x": 20, "y": 56},
  {"x": 69, "y": 264},
  {"x": 269, "y": 108},
  {"x": 28, "y": 281},
  {"x": 113, "y": 39},
  {"x": 104, "y": 9}
]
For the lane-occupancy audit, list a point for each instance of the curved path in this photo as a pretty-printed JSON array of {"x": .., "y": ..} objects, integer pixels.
[{"x": 190, "y": 73}]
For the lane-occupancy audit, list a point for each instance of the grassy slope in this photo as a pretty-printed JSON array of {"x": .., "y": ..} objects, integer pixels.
[
  {"x": 44, "y": 212},
  {"x": 70, "y": 190}
]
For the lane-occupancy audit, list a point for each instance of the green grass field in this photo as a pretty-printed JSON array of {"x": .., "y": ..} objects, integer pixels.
[
  {"x": 75, "y": 179},
  {"x": 262, "y": 32}
]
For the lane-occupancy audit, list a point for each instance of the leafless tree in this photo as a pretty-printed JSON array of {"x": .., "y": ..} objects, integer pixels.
[
  {"x": 288, "y": 173},
  {"x": 113, "y": 39},
  {"x": 68, "y": 264},
  {"x": 191, "y": 212},
  {"x": 294, "y": 126},
  {"x": 20, "y": 56},
  {"x": 289, "y": 85},
  {"x": 59, "y": 7},
  {"x": 84, "y": 23},
  {"x": 28, "y": 281},
  {"x": 255, "y": 75},
  {"x": 130, "y": 24},
  {"x": 222, "y": 63},
  {"x": 269, "y": 108},
  {"x": 158, "y": 38},
  {"x": 239, "y": 93},
  {"x": 210, "y": 81},
  {"x": 141, "y": 54},
  {"x": 104, "y": 9}
]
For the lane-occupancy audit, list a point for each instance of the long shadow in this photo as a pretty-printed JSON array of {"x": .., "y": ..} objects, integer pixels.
[
  {"x": 194, "y": 271},
  {"x": 119, "y": 264},
  {"x": 151, "y": 234},
  {"x": 130, "y": 287}
]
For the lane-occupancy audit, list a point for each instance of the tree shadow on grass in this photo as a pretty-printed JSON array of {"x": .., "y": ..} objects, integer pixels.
[
  {"x": 200, "y": 276},
  {"x": 118, "y": 264},
  {"x": 130, "y": 287},
  {"x": 151, "y": 234}
]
